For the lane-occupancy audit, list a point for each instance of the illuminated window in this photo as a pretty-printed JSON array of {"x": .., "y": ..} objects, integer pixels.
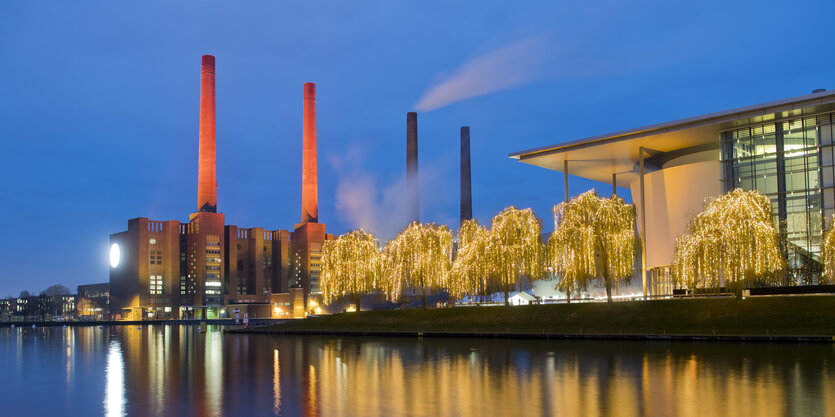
[
  {"x": 792, "y": 162},
  {"x": 155, "y": 284}
]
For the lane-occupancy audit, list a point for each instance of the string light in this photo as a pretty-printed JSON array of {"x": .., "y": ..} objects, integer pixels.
[
  {"x": 514, "y": 248},
  {"x": 351, "y": 265},
  {"x": 470, "y": 271},
  {"x": 419, "y": 258},
  {"x": 829, "y": 251},
  {"x": 593, "y": 238},
  {"x": 732, "y": 239}
]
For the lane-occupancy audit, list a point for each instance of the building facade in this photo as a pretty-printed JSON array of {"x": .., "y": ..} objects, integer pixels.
[
  {"x": 783, "y": 149},
  {"x": 93, "y": 301},
  {"x": 171, "y": 269}
]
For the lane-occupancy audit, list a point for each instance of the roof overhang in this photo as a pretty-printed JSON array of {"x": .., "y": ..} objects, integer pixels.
[{"x": 598, "y": 157}]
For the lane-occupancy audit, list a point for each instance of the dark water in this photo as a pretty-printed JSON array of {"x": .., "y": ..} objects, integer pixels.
[{"x": 174, "y": 370}]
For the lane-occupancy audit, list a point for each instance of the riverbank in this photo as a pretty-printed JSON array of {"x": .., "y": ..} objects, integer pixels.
[
  {"x": 760, "y": 318},
  {"x": 190, "y": 322}
]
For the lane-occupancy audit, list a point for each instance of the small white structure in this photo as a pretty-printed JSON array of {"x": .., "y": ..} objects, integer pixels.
[{"x": 521, "y": 298}]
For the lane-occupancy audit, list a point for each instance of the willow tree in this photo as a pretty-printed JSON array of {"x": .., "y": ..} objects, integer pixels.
[
  {"x": 350, "y": 266},
  {"x": 419, "y": 257},
  {"x": 470, "y": 269},
  {"x": 732, "y": 239},
  {"x": 828, "y": 249},
  {"x": 594, "y": 238},
  {"x": 514, "y": 248}
]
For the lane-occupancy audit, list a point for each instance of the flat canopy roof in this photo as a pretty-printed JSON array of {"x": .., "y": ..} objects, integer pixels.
[{"x": 598, "y": 157}]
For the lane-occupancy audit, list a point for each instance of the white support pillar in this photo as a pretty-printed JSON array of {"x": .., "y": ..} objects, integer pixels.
[
  {"x": 565, "y": 175},
  {"x": 643, "y": 225}
]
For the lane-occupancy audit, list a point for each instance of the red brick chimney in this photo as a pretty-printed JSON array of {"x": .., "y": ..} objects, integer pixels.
[
  {"x": 310, "y": 193},
  {"x": 206, "y": 171}
]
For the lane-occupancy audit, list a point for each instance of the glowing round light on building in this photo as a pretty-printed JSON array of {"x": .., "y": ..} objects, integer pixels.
[{"x": 115, "y": 255}]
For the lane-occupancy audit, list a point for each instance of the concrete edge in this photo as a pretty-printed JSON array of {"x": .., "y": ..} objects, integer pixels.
[{"x": 657, "y": 337}]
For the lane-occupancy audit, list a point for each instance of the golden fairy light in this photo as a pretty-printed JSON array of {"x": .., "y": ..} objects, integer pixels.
[
  {"x": 828, "y": 250},
  {"x": 593, "y": 238},
  {"x": 350, "y": 266},
  {"x": 419, "y": 258},
  {"x": 732, "y": 240},
  {"x": 470, "y": 270},
  {"x": 514, "y": 248}
]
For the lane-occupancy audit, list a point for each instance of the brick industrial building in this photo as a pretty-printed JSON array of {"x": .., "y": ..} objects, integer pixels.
[{"x": 207, "y": 269}]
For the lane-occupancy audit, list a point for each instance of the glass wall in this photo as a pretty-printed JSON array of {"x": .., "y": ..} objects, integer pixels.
[{"x": 791, "y": 162}]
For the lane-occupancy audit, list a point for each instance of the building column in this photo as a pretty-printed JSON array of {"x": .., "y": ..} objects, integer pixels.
[
  {"x": 565, "y": 176},
  {"x": 614, "y": 184},
  {"x": 643, "y": 225}
]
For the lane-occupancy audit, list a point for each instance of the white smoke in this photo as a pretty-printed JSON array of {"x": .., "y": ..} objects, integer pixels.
[
  {"x": 516, "y": 64},
  {"x": 361, "y": 202},
  {"x": 383, "y": 207}
]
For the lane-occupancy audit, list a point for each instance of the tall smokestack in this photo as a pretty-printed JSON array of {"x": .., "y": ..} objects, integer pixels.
[
  {"x": 206, "y": 174},
  {"x": 412, "y": 166},
  {"x": 466, "y": 185},
  {"x": 310, "y": 193}
]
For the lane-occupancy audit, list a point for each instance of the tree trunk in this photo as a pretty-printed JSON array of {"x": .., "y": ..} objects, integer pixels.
[
  {"x": 568, "y": 295},
  {"x": 506, "y": 299},
  {"x": 608, "y": 289},
  {"x": 358, "y": 302},
  {"x": 423, "y": 292}
]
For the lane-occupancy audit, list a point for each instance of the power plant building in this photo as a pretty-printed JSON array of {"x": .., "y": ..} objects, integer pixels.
[
  {"x": 783, "y": 149},
  {"x": 207, "y": 269}
]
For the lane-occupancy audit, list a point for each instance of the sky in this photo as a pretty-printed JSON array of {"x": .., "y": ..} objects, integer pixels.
[{"x": 99, "y": 105}]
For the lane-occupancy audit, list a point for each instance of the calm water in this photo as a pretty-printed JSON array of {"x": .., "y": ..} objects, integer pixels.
[{"x": 174, "y": 370}]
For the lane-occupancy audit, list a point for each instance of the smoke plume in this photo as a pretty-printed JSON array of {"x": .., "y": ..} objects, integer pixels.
[
  {"x": 383, "y": 207},
  {"x": 516, "y": 64}
]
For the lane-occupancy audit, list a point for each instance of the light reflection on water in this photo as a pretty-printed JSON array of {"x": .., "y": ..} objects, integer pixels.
[
  {"x": 114, "y": 394},
  {"x": 176, "y": 370}
]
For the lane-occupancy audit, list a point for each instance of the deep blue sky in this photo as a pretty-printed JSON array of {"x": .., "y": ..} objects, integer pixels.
[{"x": 99, "y": 104}]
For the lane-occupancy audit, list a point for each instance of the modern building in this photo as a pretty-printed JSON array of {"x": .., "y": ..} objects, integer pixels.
[
  {"x": 198, "y": 269},
  {"x": 783, "y": 149},
  {"x": 93, "y": 301}
]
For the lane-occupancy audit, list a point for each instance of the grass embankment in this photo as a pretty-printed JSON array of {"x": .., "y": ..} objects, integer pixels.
[{"x": 766, "y": 316}]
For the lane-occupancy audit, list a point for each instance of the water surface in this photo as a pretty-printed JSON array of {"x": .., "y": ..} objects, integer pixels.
[{"x": 176, "y": 370}]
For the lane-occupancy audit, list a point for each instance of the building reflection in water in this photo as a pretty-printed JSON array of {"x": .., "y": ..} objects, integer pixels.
[
  {"x": 488, "y": 377},
  {"x": 114, "y": 391},
  {"x": 276, "y": 383},
  {"x": 176, "y": 370},
  {"x": 216, "y": 374},
  {"x": 214, "y": 371}
]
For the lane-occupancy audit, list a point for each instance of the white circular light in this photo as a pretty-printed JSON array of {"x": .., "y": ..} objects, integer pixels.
[{"x": 115, "y": 255}]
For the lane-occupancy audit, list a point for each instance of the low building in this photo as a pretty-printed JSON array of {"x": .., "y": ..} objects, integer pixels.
[
  {"x": 93, "y": 302},
  {"x": 522, "y": 298},
  {"x": 783, "y": 149}
]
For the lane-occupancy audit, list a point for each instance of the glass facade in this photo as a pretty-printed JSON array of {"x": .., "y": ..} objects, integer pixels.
[{"x": 791, "y": 162}]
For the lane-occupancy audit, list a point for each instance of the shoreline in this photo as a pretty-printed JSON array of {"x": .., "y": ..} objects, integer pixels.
[
  {"x": 769, "y": 319},
  {"x": 547, "y": 336},
  {"x": 227, "y": 322}
]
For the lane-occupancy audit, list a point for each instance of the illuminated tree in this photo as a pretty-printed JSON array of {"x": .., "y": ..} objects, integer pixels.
[
  {"x": 514, "y": 248},
  {"x": 733, "y": 239},
  {"x": 829, "y": 252},
  {"x": 593, "y": 238},
  {"x": 470, "y": 269},
  {"x": 350, "y": 266},
  {"x": 419, "y": 257}
]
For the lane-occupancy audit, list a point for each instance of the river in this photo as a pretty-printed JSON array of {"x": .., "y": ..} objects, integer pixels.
[{"x": 177, "y": 370}]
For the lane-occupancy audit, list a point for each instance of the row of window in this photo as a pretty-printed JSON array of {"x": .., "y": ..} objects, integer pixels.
[
  {"x": 155, "y": 284},
  {"x": 791, "y": 163}
]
